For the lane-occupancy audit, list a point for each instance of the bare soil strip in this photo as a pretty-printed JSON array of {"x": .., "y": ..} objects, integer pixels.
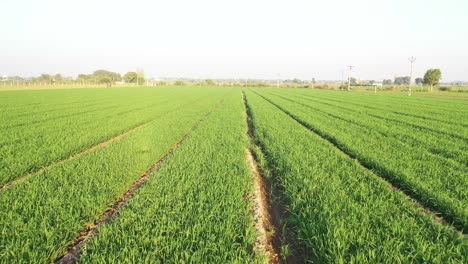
[
  {"x": 262, "y": 216},
  {"x": 73, "y": 251},
  {"x": 74, "y": 156},
  {"x": 269, "y": 208},
  {"x": 436, "y": 216}
]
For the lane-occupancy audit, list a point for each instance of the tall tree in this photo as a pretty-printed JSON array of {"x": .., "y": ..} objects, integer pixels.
[
  {"x": 58, "y": 78},
  {"x": 130, "y": 77},
  {"x": 140, "y": 76},
  {"x": 103, "y": 76},
  {"x": 432, "y": 77}
]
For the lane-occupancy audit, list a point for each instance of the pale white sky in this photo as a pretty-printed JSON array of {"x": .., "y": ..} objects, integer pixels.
[{"x": 235, "y": 39}]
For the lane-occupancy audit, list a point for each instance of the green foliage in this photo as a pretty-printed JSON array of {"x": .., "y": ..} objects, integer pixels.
[
  {"x": 192, "y": 210},
  {"x": 444, "y": 88},
  {"x": 61, "y": 118},
  {"x": 104, "y": 76},
  {"x": 419, "y": 81},
  {"x": 340, "y": 212},
  {"x": 387, "y": 82},
  {"x": 402, "y": 80},
  {"x": 130, "y": 77},
  {"x": 432, "y": 77},
  {"x": 196, "y": 207},
  {"x": 140, "y": 77},
  {"x": 44, "y": 78},
  {"x": 48, "y": 211},
  {"x": 422, "y": 159},
  {"x": 209, "y": 82}
]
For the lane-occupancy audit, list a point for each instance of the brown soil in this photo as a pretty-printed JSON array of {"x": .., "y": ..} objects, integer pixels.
[{"x": 262, "y": 216}]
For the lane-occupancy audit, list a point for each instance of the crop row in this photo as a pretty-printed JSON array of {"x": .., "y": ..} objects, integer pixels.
[
  {"x": 194, "y": 209},
  {"x": 450, "y": 147},
  {"x": 439, "y": 110},
  {"x": 339, "y": 211},
  {"x": 452, "y": 120},
  {"x": 29, "y": 148},
  {"x": 427, "y": 177},
  {"x": 43, "y": 214}
]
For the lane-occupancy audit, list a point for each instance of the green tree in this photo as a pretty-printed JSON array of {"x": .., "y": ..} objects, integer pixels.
[
  {"x": 387, "y": 82},
  {"x": 104, "y": 76},
  {"x": 296, "y": 80},
  {"x": 402, "y": 80},
  {"x": 209, "y": 82},
  {"x": 140, "y": 77},
  {"x": 84, "y": 78},
  {"x": 130, "y": 77},
  {"x": 45, "y": 78},
  {"x": 58, "y": 78},
  {"x": 432, "y": 77},
  {"x": 419, "y": 81},
  {"x": 104, "y": 79}
]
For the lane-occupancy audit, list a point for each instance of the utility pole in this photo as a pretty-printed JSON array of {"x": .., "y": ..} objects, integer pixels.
[
  {"x": 411, "y": 59},
  {"x": 349, "y": 76},
  {"x": 277, "y": 81}
]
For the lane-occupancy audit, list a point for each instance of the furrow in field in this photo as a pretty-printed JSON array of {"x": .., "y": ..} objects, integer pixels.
[
  {"x": 55, "y": 118},
  {"x": 31, "y": 133},
  {"x": 340, "y": 212},
  {"x": 373, "y": 114},
  {"x": 102, "y": 144},
  {"x": 268, "y": 237},
  {"x": 46, "y": 110},
  {"x": 70, "y": 108},
  {"x": 389, "y": 109},
  {"x": 73, "y": 251},
  {"x": 432, "y": 147},
  {"x": 420, "y": 105},
  {"x": 15, "y": 179},
  {"x": 270, "y": 210},
  {"x": 394, "y": 184}
]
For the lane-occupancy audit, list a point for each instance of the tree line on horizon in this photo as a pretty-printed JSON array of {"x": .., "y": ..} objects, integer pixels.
[
  {"x": 431, "y": 78},
  {"x": 97, "y": 77}
]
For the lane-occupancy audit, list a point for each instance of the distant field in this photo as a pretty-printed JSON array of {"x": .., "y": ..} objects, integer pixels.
[{"x": 162, "y": 174}]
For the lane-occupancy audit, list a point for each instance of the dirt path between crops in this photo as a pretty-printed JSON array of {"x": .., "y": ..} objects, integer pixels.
[
  {"x": 262, "y": 216},
  {"x": 269, "y": 208},
  {"x": 73, "y": 251},
  {"x": 436, "y": 216}
]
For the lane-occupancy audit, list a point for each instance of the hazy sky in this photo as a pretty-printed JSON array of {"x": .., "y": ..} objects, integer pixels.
[{"x": 235, "y": 39}]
